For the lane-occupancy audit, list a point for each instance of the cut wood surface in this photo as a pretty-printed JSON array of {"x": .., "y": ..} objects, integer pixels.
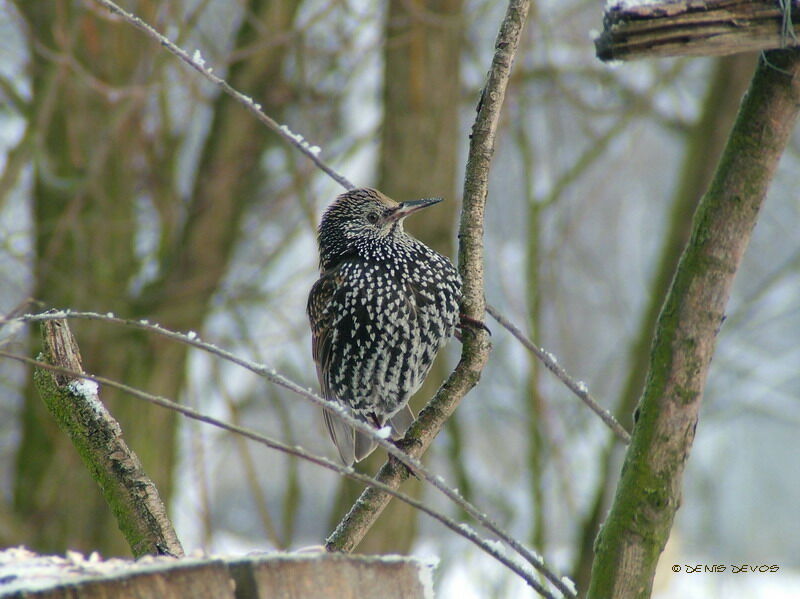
[
  {"x": 317, "y": 575},
  {"x": 694, "y": 28},
  {"x": 27, "y": 574}
]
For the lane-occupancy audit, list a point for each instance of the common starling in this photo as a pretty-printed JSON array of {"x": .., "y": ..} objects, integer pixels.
[{"x": 384, "y": 305}]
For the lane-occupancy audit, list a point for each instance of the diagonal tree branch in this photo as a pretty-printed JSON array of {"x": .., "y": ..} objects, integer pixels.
[
  {"x": 198, "y": 64},
  {"x": 705, "y": 144},
  {"x": 577, "y": 387},
  {"x": 648, "y": 494},
  {"x": 75, "y": 404},
  {"x": 476, "y": 347}
]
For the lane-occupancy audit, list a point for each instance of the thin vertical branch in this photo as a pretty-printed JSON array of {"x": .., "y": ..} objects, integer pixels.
[{"x": 476, "y": 347}]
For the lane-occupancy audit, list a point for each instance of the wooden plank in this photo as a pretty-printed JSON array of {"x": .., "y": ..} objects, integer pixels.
[
  {"x": 321, "y": 575},
  {"x": 31, "y": 576},
  {"x": 694, "y": 28},
  {"x": 330, "y": 576}
]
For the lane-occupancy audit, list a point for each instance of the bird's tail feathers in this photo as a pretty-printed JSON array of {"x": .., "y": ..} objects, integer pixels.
[
  {"x": 343, "y": 437},
  {"x": 401, "y": 421},
  {"x": 354, "y": 446},
  {"x": 364, "y": 446}
]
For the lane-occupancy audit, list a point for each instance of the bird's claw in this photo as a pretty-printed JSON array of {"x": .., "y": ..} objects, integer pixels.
[{"x": 468, "y": 321}]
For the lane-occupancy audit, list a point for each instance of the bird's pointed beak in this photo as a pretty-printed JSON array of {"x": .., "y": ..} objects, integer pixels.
[{"x": 406, "y": 208}]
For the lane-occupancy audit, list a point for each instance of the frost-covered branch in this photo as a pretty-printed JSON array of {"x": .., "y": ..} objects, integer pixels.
[
  {"x": 89, "y": 382},
  {"x": 408, "y": 462},
  {"x": 198, "y": 63},
  {"x": 577, "y": 387},
  {"x": 191, "y": 338},
  {"x": 74, "y": 402}
]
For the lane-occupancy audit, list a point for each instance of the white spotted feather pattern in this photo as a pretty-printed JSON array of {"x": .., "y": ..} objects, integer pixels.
[{"x": 383, "y": 307}]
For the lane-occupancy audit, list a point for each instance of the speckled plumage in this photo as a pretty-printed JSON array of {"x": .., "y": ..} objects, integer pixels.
[{"x": 384, "y": 305}]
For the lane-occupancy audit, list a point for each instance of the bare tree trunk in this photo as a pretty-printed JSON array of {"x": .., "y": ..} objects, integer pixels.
[
  {"x": 83, "y": 215},
  {"x": 648, "y": 494},
  {"x": 84, "y": 196},
  {"x": 422, "y": 86}
]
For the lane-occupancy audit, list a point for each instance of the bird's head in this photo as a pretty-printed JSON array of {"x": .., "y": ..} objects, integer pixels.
[{"x": 360, "y": 218}]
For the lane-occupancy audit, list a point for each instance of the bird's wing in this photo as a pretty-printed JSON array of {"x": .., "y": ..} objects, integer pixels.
[
  {"x": 401, "y": 422},
  {"x": 321, "y": 321},
  {"x": 417, "y": 297}
]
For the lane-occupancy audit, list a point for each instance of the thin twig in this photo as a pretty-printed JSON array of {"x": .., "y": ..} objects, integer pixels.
[
  {"x": 411, "y": 463},
  {"x": 197, "y": 62},
  {"x": 475, "y": 347},
  {"x": 465, "y": 531},
  {"x": 577, "y": 387}
]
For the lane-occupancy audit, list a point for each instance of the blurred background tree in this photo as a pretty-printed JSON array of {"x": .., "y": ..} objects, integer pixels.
[
  {"x": 129, "y": 185},
  {"x": 97, "y": 89}
]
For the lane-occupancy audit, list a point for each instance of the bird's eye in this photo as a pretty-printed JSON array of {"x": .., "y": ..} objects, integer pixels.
[{"x": 372, "y": 217}]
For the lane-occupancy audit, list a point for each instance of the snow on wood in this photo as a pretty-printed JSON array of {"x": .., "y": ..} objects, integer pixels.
[
  {"x": 27, "y": 574},
  {"x": 286, "y": 575},
  {"x": 694, "y": 28}
]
